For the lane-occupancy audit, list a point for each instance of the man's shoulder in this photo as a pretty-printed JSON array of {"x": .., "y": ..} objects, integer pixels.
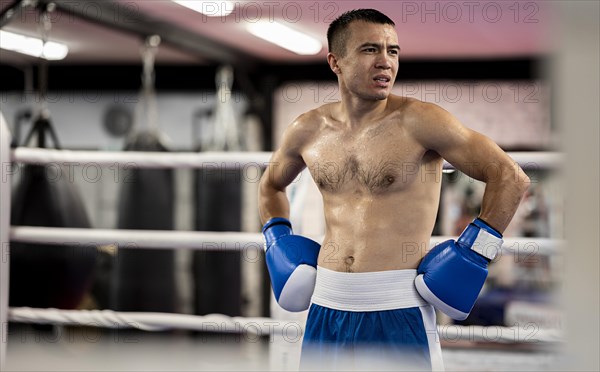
[
  {"x": 419, "y": 115},
  {"x": 313, "y": 119},
  {"x": 306, "y": 126},
  {"x": 413, "y": 106}
]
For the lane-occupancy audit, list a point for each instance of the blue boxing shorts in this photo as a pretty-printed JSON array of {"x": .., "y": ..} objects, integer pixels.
[{"x": 370, "y": 321}]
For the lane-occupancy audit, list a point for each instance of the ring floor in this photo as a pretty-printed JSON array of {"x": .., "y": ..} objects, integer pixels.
[{"x": 59, "y": 348}]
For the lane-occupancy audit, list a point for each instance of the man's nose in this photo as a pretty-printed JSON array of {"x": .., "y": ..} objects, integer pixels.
[{"x": 383, "y": 61}]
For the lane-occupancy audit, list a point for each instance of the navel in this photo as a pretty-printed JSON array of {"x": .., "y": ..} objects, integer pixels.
[{"x": 349, "y": 261}]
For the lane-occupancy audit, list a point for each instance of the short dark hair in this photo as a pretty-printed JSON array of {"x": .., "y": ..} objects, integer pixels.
[{"x": 336, "y": 37}]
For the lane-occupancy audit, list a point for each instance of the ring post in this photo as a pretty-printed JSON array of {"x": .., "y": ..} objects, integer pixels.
[{"x": 5, "y": 187}]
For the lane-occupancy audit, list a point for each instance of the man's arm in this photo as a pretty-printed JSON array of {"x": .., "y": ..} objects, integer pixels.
[
  {"x": 291, "y": 259},
  {"x": 452, "y": 274},
  {"x": 286, "y": 163},
  {"x": 480, "y": 158}
]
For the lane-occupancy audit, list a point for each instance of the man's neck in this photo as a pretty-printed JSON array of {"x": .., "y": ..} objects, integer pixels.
[{"x": 357, "y": 111}]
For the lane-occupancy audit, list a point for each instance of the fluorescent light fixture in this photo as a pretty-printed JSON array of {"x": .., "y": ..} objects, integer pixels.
[
  {"x": 211, "y": 8},
  {"x": 285, "y": 37},
  {"x": 33, "y": 47}
]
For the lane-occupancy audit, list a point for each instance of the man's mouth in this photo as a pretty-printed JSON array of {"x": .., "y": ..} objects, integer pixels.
[
  {"x": 382, "y": 78},
  {"x": 382, "y": 81}
]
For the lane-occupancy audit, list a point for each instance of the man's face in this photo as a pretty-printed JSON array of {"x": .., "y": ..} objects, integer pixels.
[{"x": 369, "y": 67}]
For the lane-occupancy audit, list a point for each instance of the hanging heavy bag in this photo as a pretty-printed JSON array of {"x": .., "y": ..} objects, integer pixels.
[
  {"x": 218, "y": 207},
  {"x": 48, "y": 275},
  {"x": 146, "y": 277},
  {"x": 218, "y": 273}
]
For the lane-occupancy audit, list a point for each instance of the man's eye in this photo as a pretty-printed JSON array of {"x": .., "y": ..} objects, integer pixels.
[
  {"x": 393, "y": 52},
  {"x": 370, "y": 50}
]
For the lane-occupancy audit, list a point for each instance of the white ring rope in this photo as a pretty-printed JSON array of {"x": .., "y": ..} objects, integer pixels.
[
  {"x": 198, "y": 240},
  {"x": 140, "y": 159},
  {"x": 135, "y": 159},
  {"x": 148, "y": 321},
  {"x": 528, "y": 333},
  {"x": 538, "y": 159}
]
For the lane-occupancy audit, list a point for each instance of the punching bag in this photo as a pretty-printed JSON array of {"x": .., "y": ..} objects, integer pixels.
[
  {"x": 146, "y": 277},
  {"x": 217, "y": 273},
  {"x": 218, "y": 194},
  {"x": 47, "y": 275}
]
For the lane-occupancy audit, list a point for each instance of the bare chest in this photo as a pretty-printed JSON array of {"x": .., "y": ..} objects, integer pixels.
[{"x": 375, "y": 161}]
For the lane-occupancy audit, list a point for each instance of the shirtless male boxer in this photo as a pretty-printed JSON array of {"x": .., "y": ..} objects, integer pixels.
[{"x": 377, "y": 160}]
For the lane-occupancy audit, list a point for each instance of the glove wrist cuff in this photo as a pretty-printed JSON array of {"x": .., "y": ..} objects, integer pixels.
[
  {"x": 482, "y": 239},
  {"x": 486, "y": 226},
  {"x": 276, "y": 221},
  {"x": 274, "y": 229},
  {"x": 487, "y": 244}
]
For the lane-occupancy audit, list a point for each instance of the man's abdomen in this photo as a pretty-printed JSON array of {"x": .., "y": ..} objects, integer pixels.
[{"x": 358, "y": 242}]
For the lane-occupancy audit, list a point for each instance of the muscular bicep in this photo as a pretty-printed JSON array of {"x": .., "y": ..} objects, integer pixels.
[
  {"x": 286, "y": 162},
  {"x": 467, "y": 150},
  {"x": 282, "y": 169},
  {"x": 478, "y": 157}
]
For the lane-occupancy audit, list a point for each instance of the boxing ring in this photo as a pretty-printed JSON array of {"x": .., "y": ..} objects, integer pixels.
[{"x": 249, "y": 244}]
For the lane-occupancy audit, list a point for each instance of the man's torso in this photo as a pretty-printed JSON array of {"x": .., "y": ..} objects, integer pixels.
[{"x": 380, "y": 190}]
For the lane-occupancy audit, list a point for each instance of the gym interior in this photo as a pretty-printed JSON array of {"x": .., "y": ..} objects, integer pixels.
[{"x": 135, "y": 135}]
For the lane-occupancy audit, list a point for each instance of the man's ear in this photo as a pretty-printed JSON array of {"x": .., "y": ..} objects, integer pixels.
[{"x": 333, "y": 63}]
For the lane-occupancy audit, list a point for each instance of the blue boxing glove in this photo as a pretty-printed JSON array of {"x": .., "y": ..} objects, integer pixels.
[
  {"x": 292, "y": 263},
  {"x": 452, "y": 274}
]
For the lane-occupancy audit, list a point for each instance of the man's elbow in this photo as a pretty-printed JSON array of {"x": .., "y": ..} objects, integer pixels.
[
  {"x": 263, "y": 187},
  {"x": 512, "y": 178},
  {"x": 521, "y": 181},
  {"x": 266, "y": 187}
]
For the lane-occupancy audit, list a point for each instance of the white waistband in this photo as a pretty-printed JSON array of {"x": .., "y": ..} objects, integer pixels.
[{"x": 371, "y": 291}]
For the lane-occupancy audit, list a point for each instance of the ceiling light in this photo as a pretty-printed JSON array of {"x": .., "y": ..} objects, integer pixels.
[
  {"x": 211, "y": 8},
  {"x": 286, "y": 37},
  {"x": 33, "y": 47}
]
